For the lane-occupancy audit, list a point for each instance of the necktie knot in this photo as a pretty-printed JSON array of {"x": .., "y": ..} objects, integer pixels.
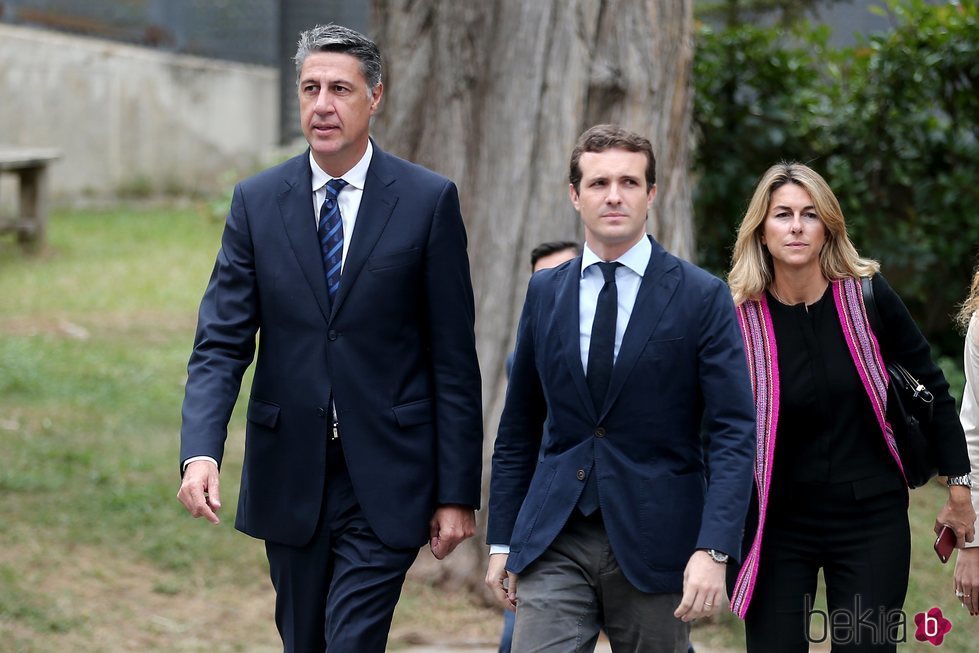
[
  {"x": 334, "y": 186},
  {"x": 608, "y": 270}
]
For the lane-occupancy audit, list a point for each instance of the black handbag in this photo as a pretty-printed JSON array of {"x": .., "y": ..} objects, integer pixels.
[{"x": 909, "y": 407}]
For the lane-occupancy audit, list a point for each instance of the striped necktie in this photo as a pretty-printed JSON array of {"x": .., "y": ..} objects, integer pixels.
[{"x": 331, "y": 235}]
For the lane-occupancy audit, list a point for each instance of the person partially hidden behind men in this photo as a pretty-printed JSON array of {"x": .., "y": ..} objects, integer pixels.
[
  {"x": 546, "y": 255},
  {"x": 601, "y": 511},
  {"x": 364, "y": 434}
]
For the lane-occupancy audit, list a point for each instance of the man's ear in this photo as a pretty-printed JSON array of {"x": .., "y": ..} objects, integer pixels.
[
  {"x": 574, "y": 197},
  {"x": 376, "y": 94}
]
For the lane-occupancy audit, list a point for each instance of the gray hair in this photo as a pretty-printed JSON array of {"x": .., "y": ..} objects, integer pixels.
[{"x": 336, "y": 38}]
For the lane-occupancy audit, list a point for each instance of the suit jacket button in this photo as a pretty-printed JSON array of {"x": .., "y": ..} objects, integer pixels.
[
  {"x": 581, "y": 474},
  {"x": 321, "y": 412},
  {"x": 600, "y": 432},
  {"x": 332, "y": 335}
]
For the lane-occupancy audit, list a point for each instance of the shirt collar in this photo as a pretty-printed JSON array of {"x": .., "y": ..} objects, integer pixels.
[
  {"x": 355, "y": 177},
  {"x": 636, "y": 258}
]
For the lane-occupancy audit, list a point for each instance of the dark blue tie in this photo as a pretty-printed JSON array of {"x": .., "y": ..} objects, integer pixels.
[
  {"x": 331, "y": 235},
  {"x": 601, "y": 357},
  {"x": 601, "y": 347}
]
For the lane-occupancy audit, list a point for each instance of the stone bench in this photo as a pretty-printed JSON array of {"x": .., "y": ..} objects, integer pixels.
[{"x": 31, "y": 167}]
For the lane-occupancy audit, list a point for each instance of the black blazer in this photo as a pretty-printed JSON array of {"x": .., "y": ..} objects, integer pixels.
[{"x": 395, "y": 349}]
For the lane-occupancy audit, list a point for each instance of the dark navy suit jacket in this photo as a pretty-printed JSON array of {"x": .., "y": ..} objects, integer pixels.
[
  {"x": 680, "y": 369},
  {"x": 395, "y": 350}
]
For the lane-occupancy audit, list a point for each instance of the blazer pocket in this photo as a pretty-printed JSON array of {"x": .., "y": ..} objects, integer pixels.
[
  {"x": 661, "y": 347},
  {"x": 263, "y": 413},
  {"x": 414, "y": 413},
  {"x": 396, "y": 260}
]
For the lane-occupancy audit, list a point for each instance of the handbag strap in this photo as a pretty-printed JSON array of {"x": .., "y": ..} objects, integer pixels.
[
  {"x": 873, "y": 316},
  {"x": 897, "y": 371}
]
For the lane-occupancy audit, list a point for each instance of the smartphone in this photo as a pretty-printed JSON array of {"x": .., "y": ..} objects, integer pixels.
[{"x": 945, "y": 543}]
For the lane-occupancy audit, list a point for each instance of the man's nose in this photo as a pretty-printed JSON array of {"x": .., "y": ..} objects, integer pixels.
[
  {"x": 324, "y": 102},
  {"x": 613, "y": 194}
]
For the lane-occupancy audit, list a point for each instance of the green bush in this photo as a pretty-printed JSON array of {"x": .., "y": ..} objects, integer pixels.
[{"x": 892, "y": 123}]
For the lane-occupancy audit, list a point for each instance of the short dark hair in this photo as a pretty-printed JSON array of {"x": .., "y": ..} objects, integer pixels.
[
  {"x": 337, "y": 38},
  {"x": 551, "y": 247},
  {"x": 608, "y": 137}
]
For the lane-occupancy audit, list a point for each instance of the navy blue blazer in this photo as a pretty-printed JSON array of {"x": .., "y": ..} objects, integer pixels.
[
  {"x": 395, "y": 349},
  {"x": 681, "y": 370}
]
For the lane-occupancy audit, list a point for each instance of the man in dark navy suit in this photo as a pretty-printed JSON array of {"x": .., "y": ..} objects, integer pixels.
[
  {"x": 601, "y": 511},
  {"x": 364, "y": 425}
]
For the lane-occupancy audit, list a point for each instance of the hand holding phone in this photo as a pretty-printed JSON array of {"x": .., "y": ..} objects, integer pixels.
[{"x": 945, "y": 543}]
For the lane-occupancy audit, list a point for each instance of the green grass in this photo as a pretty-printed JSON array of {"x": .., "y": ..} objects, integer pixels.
[
  {"x": 94, "y": 339},
  {"x": 91, "y": 422}
]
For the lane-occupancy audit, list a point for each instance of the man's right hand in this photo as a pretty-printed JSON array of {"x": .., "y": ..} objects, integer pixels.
[
  {"x": 199, "y": 490},
  {"x": 501, "y": 582}
]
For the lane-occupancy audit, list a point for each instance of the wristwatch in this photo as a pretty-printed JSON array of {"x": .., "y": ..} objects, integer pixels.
[
  {"x": 717, "y": 556},
  {"x": 964, "y": 479}
]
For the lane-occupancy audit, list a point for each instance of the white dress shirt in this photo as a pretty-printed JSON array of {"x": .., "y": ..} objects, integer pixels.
[
  {"x": 348, "y": 199},
  {"x": 970, "y": 408},
  {"x": 628, "y": 278}
]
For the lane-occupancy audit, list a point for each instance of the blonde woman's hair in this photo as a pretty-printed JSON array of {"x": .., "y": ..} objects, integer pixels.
[
  {"x": 751, "y": 264},
  {"x": 971, "y": 303}
]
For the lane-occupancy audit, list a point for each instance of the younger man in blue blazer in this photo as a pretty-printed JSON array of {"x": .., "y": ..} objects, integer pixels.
[{"x": 601, "y": 511}]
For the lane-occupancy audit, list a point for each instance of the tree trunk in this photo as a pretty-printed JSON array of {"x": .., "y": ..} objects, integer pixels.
[{"x": 493, "y": 94}]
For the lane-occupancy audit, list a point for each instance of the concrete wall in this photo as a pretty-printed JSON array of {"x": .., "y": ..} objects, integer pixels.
[{"x": 132, "y": 119}]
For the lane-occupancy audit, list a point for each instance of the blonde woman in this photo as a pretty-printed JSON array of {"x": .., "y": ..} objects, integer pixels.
[
  {"x": 967, "y": 561},
  {"x": 830, "y": 487}
]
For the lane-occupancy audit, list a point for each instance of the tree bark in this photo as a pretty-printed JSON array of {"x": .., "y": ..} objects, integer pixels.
[{"x": 493, "y": 94}]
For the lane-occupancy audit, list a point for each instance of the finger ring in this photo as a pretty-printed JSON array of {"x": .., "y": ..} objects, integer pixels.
[
  {"x": 707, "y": 604},
  {"x": 959, "y": 594}
]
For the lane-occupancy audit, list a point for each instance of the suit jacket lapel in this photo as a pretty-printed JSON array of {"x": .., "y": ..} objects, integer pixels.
[
  {"x": 296, "y": 208},
  {"x": 658, "y": 286},
  {"x": 567, "y": 320},
  {"x": 376, "y": 206}
]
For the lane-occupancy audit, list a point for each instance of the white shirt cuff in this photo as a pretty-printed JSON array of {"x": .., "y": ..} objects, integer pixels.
[
  {"x": 499, "y": 548},
  {"x": 195, "y": 458}
]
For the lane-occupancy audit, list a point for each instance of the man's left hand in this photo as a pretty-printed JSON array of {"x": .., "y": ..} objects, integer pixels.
[
  {"x": 703, "y": 587},
  {"x": 450, "y": 525}
]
